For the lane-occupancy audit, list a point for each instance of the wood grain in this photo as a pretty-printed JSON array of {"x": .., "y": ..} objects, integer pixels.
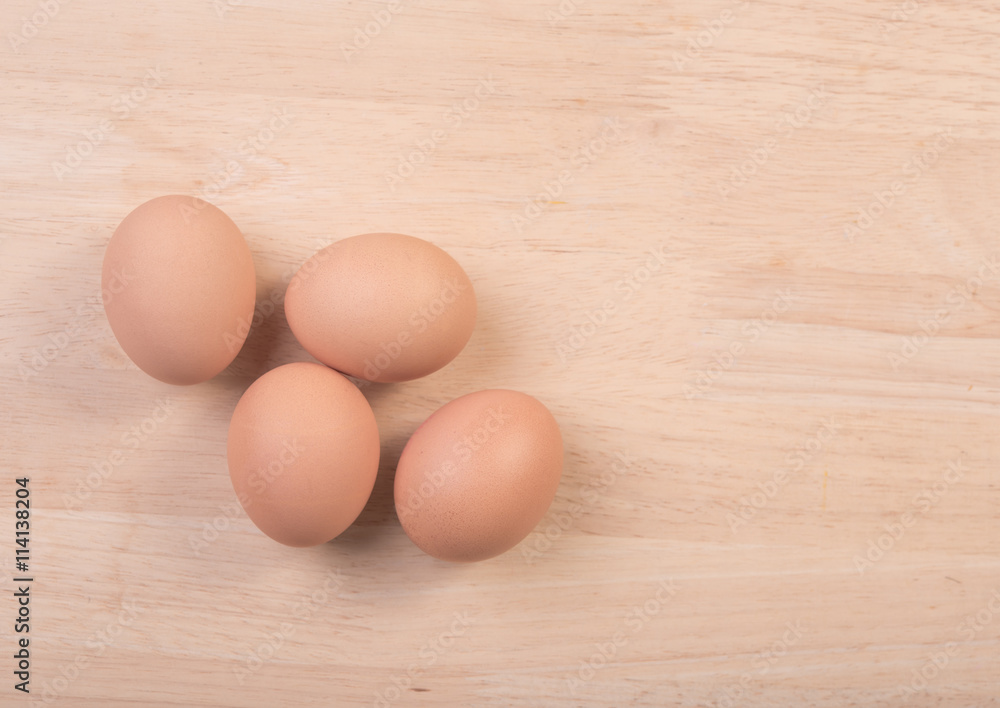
[{"x": 709, "y": 235}]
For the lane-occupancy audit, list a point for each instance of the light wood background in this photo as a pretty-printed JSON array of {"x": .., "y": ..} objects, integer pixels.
[{"x": 700, "y": 389}]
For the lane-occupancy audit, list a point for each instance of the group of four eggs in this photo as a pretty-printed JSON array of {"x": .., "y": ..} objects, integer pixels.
[{"x": 303, "y": 450}]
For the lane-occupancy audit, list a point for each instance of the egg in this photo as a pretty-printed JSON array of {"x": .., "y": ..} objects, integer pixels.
[
  {"x": 303, "y": 452},
  {"x": 478, "y": 475},
  {"x": 383, "y": 307},
  {"x": 179, "y": 288}
]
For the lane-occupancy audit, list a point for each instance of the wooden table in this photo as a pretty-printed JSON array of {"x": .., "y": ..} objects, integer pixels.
[{"x": 746, "y": 252}]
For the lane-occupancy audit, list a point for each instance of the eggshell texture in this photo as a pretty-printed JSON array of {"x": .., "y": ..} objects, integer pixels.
[
  {"x": 382, "y": 307},
  {"x": 303, "y": 453},
  {"x": 478, "y": 475},
  {"x": 179, "y": 287}
]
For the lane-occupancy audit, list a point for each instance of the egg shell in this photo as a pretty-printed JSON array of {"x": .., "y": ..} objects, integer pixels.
[
  {"x": 478, "y": 475},
  {"x": 303, "y": 453},
  {"x": 179, "y": 288},
  {"x": 383, "y": 307}
]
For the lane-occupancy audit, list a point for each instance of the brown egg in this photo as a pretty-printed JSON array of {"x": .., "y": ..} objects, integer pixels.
[
  {"x": 179, "y": 288},
  {"x": 303, "y": 453},
  {"x": 382, "y": 307},
  {"x": 478, "y": 475}
]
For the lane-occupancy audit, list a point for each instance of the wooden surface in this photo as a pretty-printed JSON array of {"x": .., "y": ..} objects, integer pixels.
[{"x": 704, "y": 288}]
